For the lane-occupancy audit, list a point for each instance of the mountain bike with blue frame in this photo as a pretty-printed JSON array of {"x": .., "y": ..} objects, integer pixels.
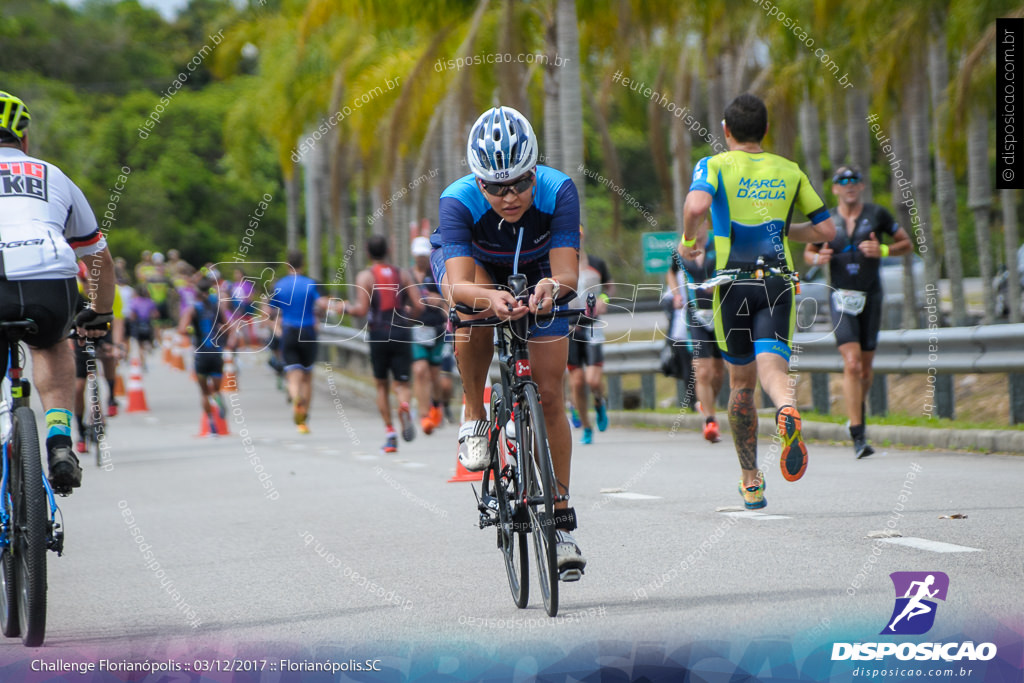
[
  {"x": 519, "y": 490},
  {"x": 27, "y": 528}
]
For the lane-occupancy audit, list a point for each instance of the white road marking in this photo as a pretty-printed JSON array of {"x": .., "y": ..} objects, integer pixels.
[
  {"x": 759, "y": 516},
  {"x": 933, "y": 546},
  {"x": 629, "y": 495}
]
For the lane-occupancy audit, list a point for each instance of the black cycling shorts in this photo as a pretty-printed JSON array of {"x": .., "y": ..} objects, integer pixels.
[
  {"x": 299, "y": 348},
  {"x": 209, "y": 363},
  {"x": 50, "y": 303},
  {"x": 862, "y": 328},
  {"x": 754, "y": 316},
  {"x": 391, "y": 354}
]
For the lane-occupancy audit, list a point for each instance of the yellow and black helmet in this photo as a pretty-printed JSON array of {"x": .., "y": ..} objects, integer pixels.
[{"x": 14, "y": 116}]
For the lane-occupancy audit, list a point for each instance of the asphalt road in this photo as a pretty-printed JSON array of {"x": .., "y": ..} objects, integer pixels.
[{"x": 326, "y": 548}]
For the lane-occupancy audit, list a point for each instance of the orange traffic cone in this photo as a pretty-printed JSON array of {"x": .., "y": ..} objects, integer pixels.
[
  {"x": 178, "y": 353},
  {"x": 136, "y": 394},
  {"x": 165, "y": 345},
  {"x": 461, "y": 473},
  {"x": 212, "y": 424},
  {"x": 229, "y": 384},
  {"x": 118, "y": 386}
]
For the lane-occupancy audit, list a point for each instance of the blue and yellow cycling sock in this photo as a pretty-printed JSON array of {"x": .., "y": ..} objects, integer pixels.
[{"x": 58, "y": 428}]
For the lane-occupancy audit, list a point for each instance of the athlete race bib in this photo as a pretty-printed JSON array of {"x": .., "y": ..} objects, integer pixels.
[
  {"x": 706, "y": 318},
  {"x": 849, "y": 301}
]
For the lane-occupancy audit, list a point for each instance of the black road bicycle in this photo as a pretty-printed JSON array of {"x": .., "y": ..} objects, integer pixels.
[{"x": 519, "y": 488}]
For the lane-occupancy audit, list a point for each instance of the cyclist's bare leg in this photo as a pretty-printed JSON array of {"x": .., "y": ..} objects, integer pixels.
[
  {"x": 384, "y": 400},
  {"x": 51, "y": 369},
  {"x": 547, "y": 360},
  {"x": 578, "y": 387},
  {"x": 473, "y": 354},
  {"x": 743, "y": 418}
]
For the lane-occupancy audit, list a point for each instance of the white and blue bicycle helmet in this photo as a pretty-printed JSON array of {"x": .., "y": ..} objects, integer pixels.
[{"x": 502, "y": 146}]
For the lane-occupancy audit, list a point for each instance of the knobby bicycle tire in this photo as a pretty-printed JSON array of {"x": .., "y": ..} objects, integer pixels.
[
  {"x": 511, "y": 535},
  {"x": 535, "y": 457},
  {"x": 9, "y": 625},
  {"x": 29, "y": 538}
]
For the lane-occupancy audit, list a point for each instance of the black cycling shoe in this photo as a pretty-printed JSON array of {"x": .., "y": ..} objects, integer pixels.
[
  {"x": 861, "y": 448},
  {"x": 65, "y": 474}
]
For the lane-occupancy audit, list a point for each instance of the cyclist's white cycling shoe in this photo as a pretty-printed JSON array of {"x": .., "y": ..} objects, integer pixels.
[
  {"x": 473, "y": 452},
  {"x": 568, "y": 556}
]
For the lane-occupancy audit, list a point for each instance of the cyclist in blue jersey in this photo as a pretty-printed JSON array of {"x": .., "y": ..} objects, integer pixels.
[
  {"x": 474, "y": 248},
  {"x": 206, "y": 320},
  {"x": 297, "y": 305},
  {"x": 751, "y": 195}
]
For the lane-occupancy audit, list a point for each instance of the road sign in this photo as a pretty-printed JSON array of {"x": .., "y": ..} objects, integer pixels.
[{"x": 658, "y": 248}]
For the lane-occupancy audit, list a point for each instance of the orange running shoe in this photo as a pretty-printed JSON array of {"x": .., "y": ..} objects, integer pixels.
[
  {"x": 793, "y": 460},
  {"x": 711, "y": 432}
]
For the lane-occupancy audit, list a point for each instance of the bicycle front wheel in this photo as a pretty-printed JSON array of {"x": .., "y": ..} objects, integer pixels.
[
  {"x": 535, "y": 458},
  {"x": 28, "y": 541}
]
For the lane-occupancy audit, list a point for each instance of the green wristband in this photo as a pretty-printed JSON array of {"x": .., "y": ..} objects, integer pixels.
[
  {"x": 603, "y": 297},
  {"x": 689, "y": 244},
  {"x": 883, "y": 250}
]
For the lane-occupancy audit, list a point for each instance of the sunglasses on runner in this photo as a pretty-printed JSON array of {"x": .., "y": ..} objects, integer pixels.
[
  {"x": 502, "y": 189},
  {"x": 846, "y": 177}
]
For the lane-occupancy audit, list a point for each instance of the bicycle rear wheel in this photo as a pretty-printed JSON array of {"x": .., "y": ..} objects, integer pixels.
[
  {"x": 28, "y": 497},
  {"x": 535, "y": 458}
]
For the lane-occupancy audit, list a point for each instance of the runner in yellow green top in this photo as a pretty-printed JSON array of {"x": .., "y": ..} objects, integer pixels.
[{"x": 752, "y": 195}]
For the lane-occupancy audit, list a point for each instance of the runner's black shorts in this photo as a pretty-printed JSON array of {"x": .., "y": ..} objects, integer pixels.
[
  {"x": 702, "y": 340},
  {"x": 391, "y": 354},
  {"x": 83, "y": 366},
  {"x": 50, "y": 303},
  {"x": 584, "y": 351},
  {"x": 299, "y": 348},
  {"x": 209, "y": 363},
  {"x": 754, "y": 316},
  {"x": 862, "y": 328}
]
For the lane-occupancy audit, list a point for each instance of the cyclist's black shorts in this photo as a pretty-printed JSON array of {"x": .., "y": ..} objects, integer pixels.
[
  {"x": 209, "y": 363},
  {"x": 391, "y": 354},
  {"x": 83, "y": 365},
  {"x": 754, "y": 316},
  {"x": 299, "y": 348},
  {"x": 862, "y": 328},
  {"x": 50, "y": 303}
]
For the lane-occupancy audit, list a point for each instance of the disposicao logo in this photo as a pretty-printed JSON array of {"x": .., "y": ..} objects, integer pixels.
[
  {"x": 916, "y": 592},
  {"x": 913, "y": 615}
]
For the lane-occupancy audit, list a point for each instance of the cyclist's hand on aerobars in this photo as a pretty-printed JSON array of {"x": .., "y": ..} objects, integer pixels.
[
  {"x": 506, "y": 306},
  {"x": 92, "y": 324},
  {"x": 824, "y": 255},
  {"x": 870, "y": 247},
  {"x": 541, "y": 300}
]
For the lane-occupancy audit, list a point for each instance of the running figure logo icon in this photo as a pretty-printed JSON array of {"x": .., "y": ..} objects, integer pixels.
[{"x": 914, "y": 612}]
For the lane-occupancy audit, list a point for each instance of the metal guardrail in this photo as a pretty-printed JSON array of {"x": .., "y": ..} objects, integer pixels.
[{"x": 940, "y": 352}]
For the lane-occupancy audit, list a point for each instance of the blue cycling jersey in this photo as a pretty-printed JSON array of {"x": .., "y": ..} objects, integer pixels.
[
  {"x": 296, "y": 296},
  {"x": 470, "y": 227}
]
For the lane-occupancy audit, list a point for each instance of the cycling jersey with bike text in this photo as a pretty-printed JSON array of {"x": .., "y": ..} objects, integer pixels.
[
  {"x": 470, "y": 227},
  {"x": 46, "y": 224},
  {"x": 753, "y": 198}
]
